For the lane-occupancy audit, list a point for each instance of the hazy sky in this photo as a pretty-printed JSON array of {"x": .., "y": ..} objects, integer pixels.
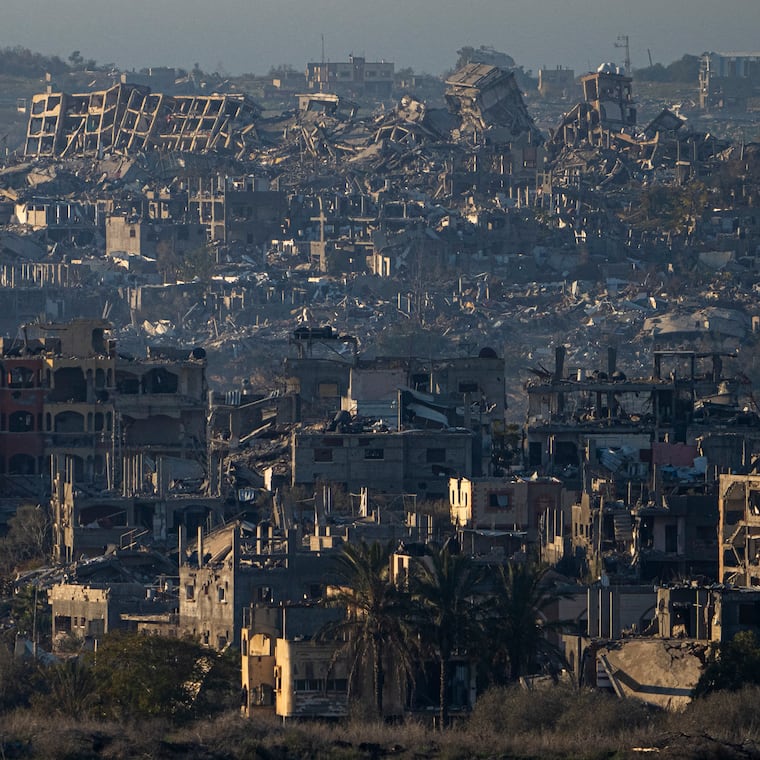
[{"x": 250, "y": 35}]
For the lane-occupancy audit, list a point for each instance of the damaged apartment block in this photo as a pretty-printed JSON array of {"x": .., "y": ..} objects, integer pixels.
[
  {"x": 129, "y": 119},
  {"x": 507, "y": 147},
  {"x": 739, "y": 530},
  {"x": 122, "y": 436}
]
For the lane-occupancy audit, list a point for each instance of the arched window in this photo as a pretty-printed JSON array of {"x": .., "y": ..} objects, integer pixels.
[{"x": 20, "y": 422}]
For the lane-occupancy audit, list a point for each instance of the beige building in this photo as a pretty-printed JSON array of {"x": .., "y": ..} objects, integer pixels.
[
  {"x": 88, "y": 612},
  {"x": 512, "y": 514},
  {"x": 287, "y": 669},
  {"x": 150, "y": 237},
  {"x": 356, "y": 74},
  {"x": 557, "y": 82},
  {"x": 507, "y": 503}
]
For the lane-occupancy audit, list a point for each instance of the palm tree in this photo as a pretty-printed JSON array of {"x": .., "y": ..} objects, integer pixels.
[
  {"x": 443, "y": 588},
  {"x": 517, "y": 624},
  {"x": 376, "y": 628},
  {"x": 73, "y": 687}
]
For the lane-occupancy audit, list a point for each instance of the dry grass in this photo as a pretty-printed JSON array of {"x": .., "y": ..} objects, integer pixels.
[{"x": 558, "y": 723}]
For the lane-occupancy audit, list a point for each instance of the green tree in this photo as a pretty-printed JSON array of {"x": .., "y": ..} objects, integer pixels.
[
  {"x": 28, "y": 542},
  {"x": 376, "y": 629},
  {"x": 31, "y": 612},
  {"x": 197, "y": 263},
  {"x": 444, "y": 587},
  {"x": 17, "y": 679},
  {"x": 71, "y": 688},
  {"x": 167, "y": 260},
  {"x": 735, "y": 664},
  {"x": 141, "y": 676},
  {"x": 685, "y": 69},
  {"x": 517, "y": 622}
]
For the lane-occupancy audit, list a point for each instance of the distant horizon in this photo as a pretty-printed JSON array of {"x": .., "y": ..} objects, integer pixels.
[{"x": 234, "y": 37}]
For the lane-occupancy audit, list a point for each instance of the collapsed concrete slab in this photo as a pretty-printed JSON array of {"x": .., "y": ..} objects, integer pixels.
[{"x": 660, "y": 672}]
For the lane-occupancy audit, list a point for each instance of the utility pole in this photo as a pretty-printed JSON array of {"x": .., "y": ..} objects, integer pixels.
[
  {"x": 623, "y": 42},
  {"x": 324, "y": 77}
]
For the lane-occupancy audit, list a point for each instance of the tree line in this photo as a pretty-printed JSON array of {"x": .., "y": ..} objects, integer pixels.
[
  {"x": 447, "y": 608},
  {"x": 21, "y": 62}
]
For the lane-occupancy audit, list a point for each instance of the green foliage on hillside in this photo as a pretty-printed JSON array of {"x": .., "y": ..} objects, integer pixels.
[
  {"x": 685, "y": 69},
  {"x": 22, "y": 62}
]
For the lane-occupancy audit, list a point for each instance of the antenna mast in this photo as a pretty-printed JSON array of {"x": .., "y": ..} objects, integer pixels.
[
  {"x": 325, "y": 77},
  {"x": 623, "y": 42}
]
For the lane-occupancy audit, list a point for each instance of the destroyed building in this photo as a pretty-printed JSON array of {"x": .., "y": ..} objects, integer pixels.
[
  {"x": 607, "y": 107},
  {"x": 460, "y": 222},
  {"x": 516, "y": 514},
  {"x": 739, "y": 505},
  {"x": 129, "y": 118},
  {"x": 127, "y": 589},
  {"x": 576, "y": 416},
  {"x": 373, "y": 78},
  {"x": 729, "y": 81},
  {"x": 486, "y": 97},
  {"x": 239, "y": 565},
  {"x": 287, "y": 669},
  {"x": 557, "y": 82},
  {"x": 113, "y": 428},
  {"x": 647, "y": 473},
  {"x": 237, "y": 210}
]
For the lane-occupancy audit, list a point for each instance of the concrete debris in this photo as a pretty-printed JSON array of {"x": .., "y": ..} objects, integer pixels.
[{"x": 659, "y": 672}]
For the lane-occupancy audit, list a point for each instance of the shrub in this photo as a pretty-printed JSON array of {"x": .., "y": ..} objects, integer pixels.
[{"x": 731, "y": 716}]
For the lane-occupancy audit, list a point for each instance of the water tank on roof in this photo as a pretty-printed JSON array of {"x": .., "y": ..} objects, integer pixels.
[{"x": 608, "y": 68}]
